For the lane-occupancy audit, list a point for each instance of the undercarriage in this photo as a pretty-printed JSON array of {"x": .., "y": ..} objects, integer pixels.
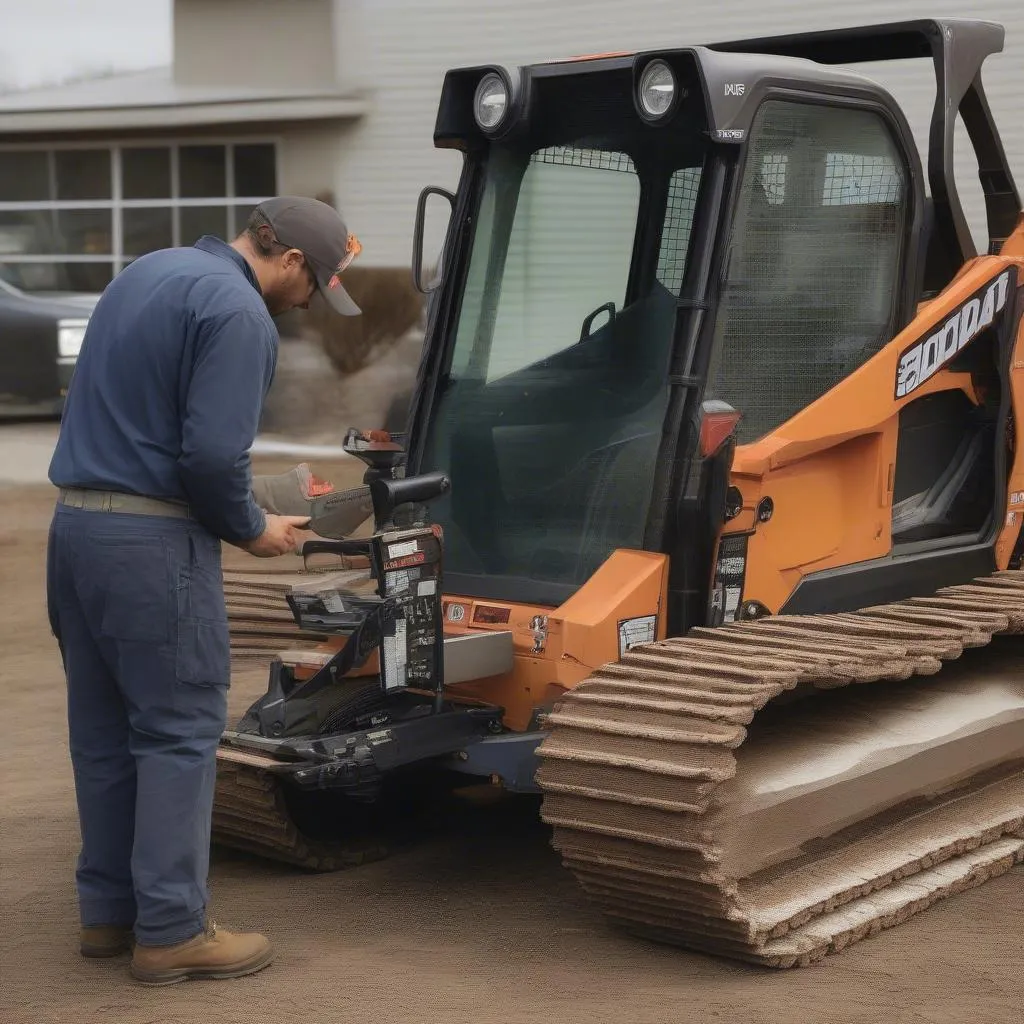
[{"x": 772, "y": 790}]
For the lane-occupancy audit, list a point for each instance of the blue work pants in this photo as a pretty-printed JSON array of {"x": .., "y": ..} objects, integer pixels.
[{"x": 137, "y": 605}]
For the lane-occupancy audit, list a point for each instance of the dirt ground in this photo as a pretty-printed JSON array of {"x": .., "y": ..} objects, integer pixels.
[{"x": 477, "y": 923}]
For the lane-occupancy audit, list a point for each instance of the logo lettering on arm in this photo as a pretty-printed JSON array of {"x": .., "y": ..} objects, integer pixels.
[{"x": 925, "y": 358}]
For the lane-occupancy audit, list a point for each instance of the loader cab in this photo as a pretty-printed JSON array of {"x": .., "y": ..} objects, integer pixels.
[
  {"x": 643, "y": 245},
  {"x": 567, "y": 257}
]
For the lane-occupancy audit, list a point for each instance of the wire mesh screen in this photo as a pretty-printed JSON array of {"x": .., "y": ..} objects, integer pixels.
[
  {"x": 854, "y": 178},
  {"x": 773, "y": 177},
  {"x": 575, "y": 156},
  {"x": 675, "y": 233},
  {"x": 815, "y": 261}
]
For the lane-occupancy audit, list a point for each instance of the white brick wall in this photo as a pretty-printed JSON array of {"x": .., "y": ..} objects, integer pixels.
[{"x": 399, "y": 50}]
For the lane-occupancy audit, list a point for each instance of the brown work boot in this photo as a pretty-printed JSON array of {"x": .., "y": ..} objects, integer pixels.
[
  {"x": 215, "y": 953},
  {"x": 106, "y": 940}
]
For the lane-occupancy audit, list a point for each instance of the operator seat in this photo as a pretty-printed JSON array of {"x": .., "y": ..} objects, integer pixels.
[{"x": 617, "y": 505}]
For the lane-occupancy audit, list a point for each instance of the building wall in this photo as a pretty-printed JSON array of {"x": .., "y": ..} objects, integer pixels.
[
  {"x": 399, "y": 51},
  {"x": 309, "y": 157},
  {"x": 247, "y": 42}
]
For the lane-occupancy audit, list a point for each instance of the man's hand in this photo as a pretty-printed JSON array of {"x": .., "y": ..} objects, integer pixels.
[{"x": 282, "y": 536}]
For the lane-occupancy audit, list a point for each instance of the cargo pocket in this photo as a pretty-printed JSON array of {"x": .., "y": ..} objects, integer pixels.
[
  {"x": 204, "y": 653},
  {"x": 134, "y": 590},
  {"x": 203, "y": 656}
]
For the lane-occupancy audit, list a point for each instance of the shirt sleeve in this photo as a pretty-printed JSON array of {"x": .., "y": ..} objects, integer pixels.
[{"x": 233, "y": 365}]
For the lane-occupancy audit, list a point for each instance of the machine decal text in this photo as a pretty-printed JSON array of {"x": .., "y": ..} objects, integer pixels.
[{"x": 923, "y": 360}]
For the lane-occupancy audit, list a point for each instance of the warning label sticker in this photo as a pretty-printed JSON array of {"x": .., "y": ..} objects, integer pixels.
[
  {"x": 407, "y": 547},
  {"x": 639, "y": 630}
]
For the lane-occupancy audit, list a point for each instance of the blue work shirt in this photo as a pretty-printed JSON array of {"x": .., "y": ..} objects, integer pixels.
[{"x": 169, "y": 386}]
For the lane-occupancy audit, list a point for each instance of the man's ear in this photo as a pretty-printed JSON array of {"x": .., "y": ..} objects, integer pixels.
[{"x": 294, "y": 259}]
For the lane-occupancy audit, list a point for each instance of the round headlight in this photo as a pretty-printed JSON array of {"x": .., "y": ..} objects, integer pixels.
[
  {"x": 657, "y": 89},
  {"x": 491, "y": 101}
]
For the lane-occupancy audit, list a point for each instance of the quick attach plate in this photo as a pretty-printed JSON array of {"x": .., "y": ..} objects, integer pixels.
[{"x": 355, "y": 762}]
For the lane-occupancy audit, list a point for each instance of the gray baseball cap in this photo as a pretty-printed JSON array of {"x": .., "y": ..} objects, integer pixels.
[{"x": 318, "y": 232}]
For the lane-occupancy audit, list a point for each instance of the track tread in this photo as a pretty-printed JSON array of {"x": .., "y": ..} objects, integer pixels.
[
  {"x": 250, "y": 814},
  {"x": 631, "y": 796}
]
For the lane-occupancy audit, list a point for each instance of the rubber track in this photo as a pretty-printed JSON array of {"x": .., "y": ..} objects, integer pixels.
[
  {"x": 250, "y": 813},
  {"x": 634, "y": 754}
]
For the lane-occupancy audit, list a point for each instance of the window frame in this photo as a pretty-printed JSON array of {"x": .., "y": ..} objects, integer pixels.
[{"x": 117, "y": 259}]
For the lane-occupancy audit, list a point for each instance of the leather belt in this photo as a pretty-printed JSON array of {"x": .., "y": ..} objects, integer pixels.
[{"x": 116, "y": 501}]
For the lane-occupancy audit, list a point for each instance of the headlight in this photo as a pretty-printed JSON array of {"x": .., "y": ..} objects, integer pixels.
[
  {"x": 70, "y": 334},
  {"x": 490, "y": 103},
  {"x": 657, "y": 89}
]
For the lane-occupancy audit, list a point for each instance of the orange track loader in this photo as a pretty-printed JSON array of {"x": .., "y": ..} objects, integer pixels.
[{"x": 709, "y": 522}]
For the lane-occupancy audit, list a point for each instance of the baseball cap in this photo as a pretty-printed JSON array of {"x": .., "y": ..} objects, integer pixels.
[{"x": 318, "y": 232}]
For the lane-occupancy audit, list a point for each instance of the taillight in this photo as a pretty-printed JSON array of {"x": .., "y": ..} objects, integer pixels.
[{"x": 718, "y": 423}]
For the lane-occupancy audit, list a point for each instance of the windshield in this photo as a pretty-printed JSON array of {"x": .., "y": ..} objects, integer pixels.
[{"x": 549, "y": 417}]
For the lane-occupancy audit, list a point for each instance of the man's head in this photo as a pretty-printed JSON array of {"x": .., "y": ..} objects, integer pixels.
[{"x": 298, "y": 246}]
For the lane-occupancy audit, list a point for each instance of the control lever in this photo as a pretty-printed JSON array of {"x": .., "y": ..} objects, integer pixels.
[
  {"x": 382, "y": 457},
  {"x": 335, "y": 547},
  {"x": 358, "y": 553},
  {"x": 388, "y": 494}
]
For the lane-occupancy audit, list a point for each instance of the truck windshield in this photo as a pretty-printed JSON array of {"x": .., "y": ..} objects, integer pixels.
[{"x": 549, "y": 416}]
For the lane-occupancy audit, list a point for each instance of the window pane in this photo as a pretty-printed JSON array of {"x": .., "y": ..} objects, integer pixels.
[
  {"x": 146, "y": 173},
  {"x": 675, "y": 234},
  {"x": 852, "y": 178},
  {"x": 83, "y": 173},
  {"x": 146, "y": 230},
  {"x": 773, "y": 177},
  {"x": 569, "y": 253},
  {"x": 84, "y": 232},
  {"x": 26, "y": 231},
  {"x": 24, "y": 176},
  {"x": 255, "y": 171},
  {"x": 555, "y": 415},
  {"x": 58, "y": 277},
  {"x": 203, "y": 220},
  {"x": 202, "y": 172}
]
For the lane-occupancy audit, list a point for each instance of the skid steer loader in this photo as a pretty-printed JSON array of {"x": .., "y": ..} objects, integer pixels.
[{"x": 719, "y": 412}]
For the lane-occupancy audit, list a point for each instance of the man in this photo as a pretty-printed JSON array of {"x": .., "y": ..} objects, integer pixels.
[{"x": 153, "y": 469}]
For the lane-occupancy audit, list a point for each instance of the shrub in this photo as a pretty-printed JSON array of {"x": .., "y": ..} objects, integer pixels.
[{"x": 391, "y": 308}]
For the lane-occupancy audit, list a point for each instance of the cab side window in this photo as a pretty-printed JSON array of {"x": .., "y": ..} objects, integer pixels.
[{"x": 814, "y": 270}]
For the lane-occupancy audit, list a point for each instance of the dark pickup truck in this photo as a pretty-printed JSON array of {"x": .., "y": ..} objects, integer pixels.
[{"x": 40, "y": 336}]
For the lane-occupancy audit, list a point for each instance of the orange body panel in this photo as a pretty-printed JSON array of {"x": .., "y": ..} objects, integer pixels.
[
  {"x": 1013, "y": 248},
  {"x": 1015, "y": 496},
  {"x": 829, "y": 470},
  {"x": 556, "y": 648}
]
